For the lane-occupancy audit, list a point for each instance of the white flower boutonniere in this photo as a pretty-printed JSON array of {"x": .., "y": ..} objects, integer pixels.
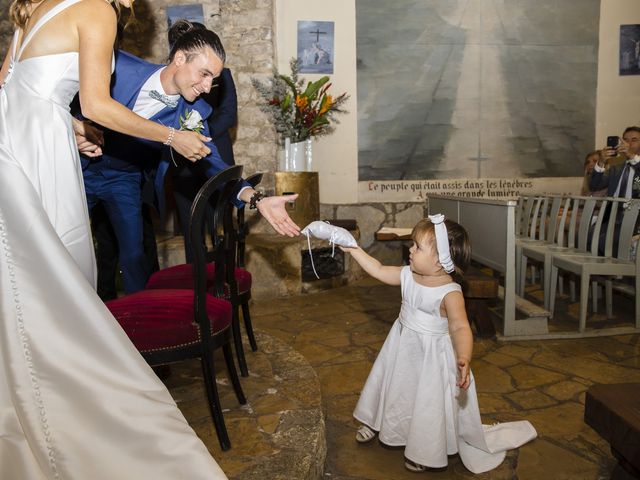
[{"x": 192, "y": 121}]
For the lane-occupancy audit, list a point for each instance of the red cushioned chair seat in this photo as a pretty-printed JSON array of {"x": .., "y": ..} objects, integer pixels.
[
  {"x": 181, "y": 276},
  {"x": 163, "y": 319}
]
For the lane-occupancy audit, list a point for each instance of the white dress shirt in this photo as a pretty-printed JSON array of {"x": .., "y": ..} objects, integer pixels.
[{"x": 146, "y": 106}]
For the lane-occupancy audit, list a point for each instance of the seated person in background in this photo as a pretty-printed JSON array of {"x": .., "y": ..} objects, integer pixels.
[
  {"x": 589, "y": 162},
  {"x": 620, "y": 180}
]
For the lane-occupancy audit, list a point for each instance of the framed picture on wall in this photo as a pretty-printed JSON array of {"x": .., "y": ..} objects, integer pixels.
[
  {"x": 193, "y": 13},
  {"x": 315, "y": 46},
  {"x": 629, "y": 49}
]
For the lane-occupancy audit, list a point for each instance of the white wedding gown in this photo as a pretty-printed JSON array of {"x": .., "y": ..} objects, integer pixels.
[{"x": 77, "y": 401}]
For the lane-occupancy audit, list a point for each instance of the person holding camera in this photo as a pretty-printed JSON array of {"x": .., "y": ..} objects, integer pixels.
[{"x": 619, "y": 178}]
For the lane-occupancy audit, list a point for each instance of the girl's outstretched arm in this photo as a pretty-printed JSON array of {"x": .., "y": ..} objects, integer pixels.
[
  {"x": 461, "y": 335},
  {"x": 388, "y": 275}
]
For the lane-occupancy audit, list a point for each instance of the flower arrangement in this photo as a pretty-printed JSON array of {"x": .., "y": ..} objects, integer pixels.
[{"x": 298, "y": 111}]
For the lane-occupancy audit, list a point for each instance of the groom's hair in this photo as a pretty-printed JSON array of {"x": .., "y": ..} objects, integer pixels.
[{"x": 191, "y": 37}]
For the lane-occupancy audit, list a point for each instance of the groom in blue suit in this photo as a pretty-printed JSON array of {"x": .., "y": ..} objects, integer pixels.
[{"x": 162, "y": 93}]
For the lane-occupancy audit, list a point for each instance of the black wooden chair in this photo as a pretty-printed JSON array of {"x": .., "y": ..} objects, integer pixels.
[
  {"x": 237, "y": 279},
  {"x": 172, "y": 325},
  {"x": 243, "y": 276}
]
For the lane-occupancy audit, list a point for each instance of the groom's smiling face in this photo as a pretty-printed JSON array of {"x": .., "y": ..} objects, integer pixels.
[{"x": 195, "y": 72}]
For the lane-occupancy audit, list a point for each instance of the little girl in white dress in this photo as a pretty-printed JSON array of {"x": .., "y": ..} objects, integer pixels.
[{"x": 421, "y": 393}]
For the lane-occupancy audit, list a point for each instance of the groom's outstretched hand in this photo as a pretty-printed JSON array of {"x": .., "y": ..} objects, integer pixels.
[
  {"x": 274, "y": 212},
  {"x": 190, "y": 145}
]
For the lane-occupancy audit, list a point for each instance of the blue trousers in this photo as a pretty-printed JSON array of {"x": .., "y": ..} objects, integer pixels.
[{"x": 121, "y": 195}]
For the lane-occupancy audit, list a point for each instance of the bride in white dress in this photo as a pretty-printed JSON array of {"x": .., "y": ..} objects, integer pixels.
[{"x": 77, "y": 401}]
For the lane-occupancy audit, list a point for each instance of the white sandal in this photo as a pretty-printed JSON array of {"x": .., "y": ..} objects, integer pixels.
[
  {"x": 365, "y": 434},
  {"x": 414, "y": 467}
]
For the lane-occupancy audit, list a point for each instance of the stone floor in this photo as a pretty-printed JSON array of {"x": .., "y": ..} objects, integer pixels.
[{"x": 339, "y": 332}]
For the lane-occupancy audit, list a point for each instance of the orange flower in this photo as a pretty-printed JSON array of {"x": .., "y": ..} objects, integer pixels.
[
  {"x": 326, "y": 105},
  {"x": 301, "y": 102}
]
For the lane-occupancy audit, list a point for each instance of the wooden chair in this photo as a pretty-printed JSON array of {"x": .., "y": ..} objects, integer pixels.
[
  {"x": 543, "y": 232},
  {"x": 527, "y": 211},
  {"x": 608, "y": 266},
  {"x": 172, "y": 325},
  {"x": 243, "y": 295},
  {"x": 578, "y": 211},
  {"x": 237, "y": 279}
]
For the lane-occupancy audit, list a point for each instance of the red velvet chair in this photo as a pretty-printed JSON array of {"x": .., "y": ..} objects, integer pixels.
[
  {"x": 238, "y": 284},
  {"x": 171, "y": 325}
]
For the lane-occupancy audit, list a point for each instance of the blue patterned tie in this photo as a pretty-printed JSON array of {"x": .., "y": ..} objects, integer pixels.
[{"x": 162, "y": 98}]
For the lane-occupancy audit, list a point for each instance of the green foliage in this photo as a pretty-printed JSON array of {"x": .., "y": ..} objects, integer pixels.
[{"x": 299, "y": 110}]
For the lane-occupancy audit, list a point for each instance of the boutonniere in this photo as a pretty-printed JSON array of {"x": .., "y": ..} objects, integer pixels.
[{"x": 192, "y": 121}]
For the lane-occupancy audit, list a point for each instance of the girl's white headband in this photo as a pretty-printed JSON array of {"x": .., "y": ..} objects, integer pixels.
[{"x": 442, "y": 242}]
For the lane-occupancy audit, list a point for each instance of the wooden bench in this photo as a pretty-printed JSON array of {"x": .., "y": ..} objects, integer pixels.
[
  {"x": 614, "y": 412},
  {"x": 478, "y": 287}
]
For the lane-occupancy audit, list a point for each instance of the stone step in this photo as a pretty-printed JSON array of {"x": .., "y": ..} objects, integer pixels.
[
  {"x": 531, "y": 319},
  {"x": 279, "y": 433}
]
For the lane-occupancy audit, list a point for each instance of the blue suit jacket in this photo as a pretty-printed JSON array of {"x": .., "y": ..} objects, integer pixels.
[
  {"x": 609, "y": 180},
  {"x": 126, "y": 153}
]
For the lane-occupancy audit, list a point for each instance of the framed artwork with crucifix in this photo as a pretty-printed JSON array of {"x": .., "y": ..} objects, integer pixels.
[{"x": 315, "y": 46}]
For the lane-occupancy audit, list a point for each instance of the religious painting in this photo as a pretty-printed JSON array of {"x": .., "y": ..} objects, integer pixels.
[
  {"x": 467, "y": 90},
  {"x": 315, "y": 46},
  {"x": 193, "y": 13},
  {"x": 629, "y": 50}
]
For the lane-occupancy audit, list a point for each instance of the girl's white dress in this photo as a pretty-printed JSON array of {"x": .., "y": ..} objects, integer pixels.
[
  {"x": 411, "y": 396},
  {"x": 77, "y": 401}
]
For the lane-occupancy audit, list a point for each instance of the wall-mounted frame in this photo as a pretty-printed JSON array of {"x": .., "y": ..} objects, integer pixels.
[
  {"x": 629, "y": 50},
  {"x": 316, "y": 46},
  {"x": 193, "y": 13}
]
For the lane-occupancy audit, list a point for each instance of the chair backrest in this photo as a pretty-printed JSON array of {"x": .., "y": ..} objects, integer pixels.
[
  {"x": 524, "y": 208},
  {"x": 217, "y": 192},
  {"x": 528, "y": 219},
  {"x": 553, "y": 221},
  {"x": 622, "y": 222},
  {"x": 567, "y": 208},
  {"x": 241, "y": 227}
]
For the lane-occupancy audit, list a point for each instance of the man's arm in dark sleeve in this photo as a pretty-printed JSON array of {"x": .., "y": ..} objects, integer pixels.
[{"x": 225, "y": 115}]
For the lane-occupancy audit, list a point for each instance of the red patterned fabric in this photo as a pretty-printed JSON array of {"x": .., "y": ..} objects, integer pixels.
[
  {"x": 160, "y": 319},
  {"x": 181, "y": 276}
]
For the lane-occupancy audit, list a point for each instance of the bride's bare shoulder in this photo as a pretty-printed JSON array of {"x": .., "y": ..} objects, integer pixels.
[{"x": 96, "y": 9}]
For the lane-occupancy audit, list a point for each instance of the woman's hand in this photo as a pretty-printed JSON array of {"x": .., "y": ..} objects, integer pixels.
[
  {"x": 463, "y": 373},
  {"x": 190, "y": 145},
  {"x": 89, "y": 138}
]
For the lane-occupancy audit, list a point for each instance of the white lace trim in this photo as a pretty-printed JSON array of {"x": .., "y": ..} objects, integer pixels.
[{"x": 26, "y": 349}]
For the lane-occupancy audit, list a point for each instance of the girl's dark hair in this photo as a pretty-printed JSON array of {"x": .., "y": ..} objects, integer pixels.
[
  {"x": 191, "y": 37},
  {"x": 459, "y": 243}
]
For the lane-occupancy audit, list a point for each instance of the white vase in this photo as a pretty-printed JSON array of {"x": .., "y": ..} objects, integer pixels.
[{"x": 296, "y": 157}]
